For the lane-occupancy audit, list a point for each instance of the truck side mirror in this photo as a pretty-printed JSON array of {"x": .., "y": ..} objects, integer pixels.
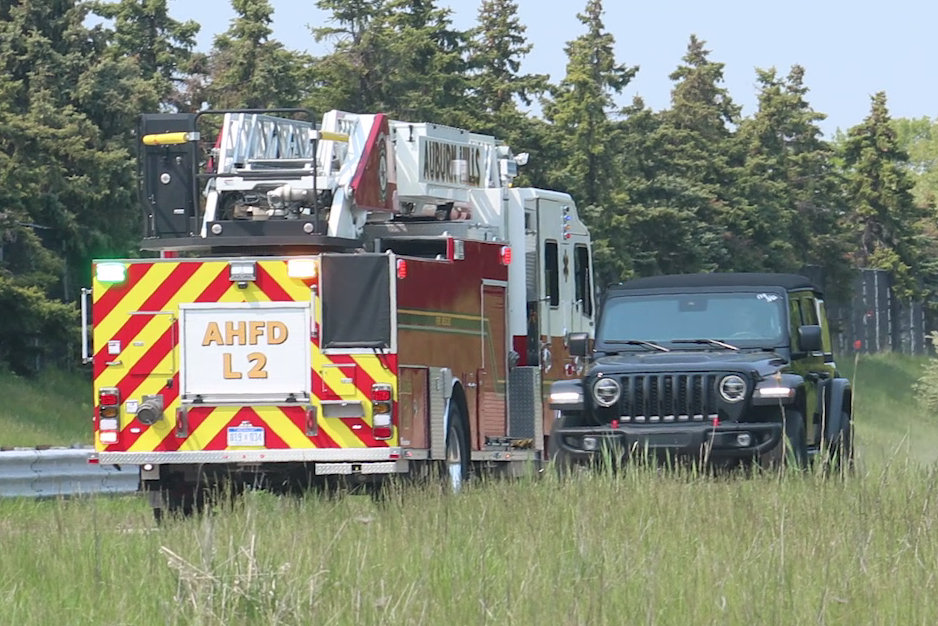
[
  {"x": 809, "y": 338},
  {"x": 578, "y": 344}
]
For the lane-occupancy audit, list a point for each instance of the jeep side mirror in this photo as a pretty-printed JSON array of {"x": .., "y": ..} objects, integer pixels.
[
  {"x": 809, "y": 338},
  {"x": 578, "y": 344}
]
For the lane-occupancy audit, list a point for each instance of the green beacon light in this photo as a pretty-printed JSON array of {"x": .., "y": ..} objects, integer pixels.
[{"x": 110, "y": 273}]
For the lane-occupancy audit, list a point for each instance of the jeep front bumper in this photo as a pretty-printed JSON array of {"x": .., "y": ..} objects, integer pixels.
[{"x": 726, "y": 440}]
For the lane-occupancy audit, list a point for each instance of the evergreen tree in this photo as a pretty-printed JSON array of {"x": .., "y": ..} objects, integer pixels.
[
  {"x": 684, "y": 205},
  {"x": 354, "y": 75},
  {"x": 59, "y": 171},
  {"x": 791, "y": 185},
  {"x": 64, "y": 188},
  {"x": 160, "y": 46},
  {"x": 400, "y": 57},
  {"x": 248, "y": 69},
  {"x": 652, "y": 236},
  {"x": 430, "y": 77},
  {"x": 497, "y": 86},
  {"x": 886, "y": 223},
  {"x": 579, "y": 110},
  {"x": 497, "y": 46}
]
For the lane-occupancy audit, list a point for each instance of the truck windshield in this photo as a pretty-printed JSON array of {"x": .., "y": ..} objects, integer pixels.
[{"x": 755, "y": 318}]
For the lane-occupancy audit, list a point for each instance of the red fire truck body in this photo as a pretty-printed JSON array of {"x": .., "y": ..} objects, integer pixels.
[{"x": 352, "y": 300}]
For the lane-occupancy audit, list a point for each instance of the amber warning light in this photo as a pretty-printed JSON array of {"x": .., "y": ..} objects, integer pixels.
[{"x": 302, "y": 268}]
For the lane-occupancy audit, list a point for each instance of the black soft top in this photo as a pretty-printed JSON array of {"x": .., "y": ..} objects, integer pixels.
[{"x": 788, "y": 282}]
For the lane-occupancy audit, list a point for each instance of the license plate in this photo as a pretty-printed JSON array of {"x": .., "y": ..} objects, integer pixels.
[{"x": 252, "y": 436}]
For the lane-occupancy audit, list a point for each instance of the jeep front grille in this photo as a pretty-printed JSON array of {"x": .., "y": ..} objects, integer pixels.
[{"x": 668, "y": 397}]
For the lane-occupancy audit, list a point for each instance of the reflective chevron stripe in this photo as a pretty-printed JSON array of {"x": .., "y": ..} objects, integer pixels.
[{"x": 138, "y": 351}]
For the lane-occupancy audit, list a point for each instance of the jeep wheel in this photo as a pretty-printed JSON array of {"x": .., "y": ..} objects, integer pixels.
[
  {"x": 839, "y": 450},
  {"x": 792, "y": 449},
  {"x": 561, "y": 461}
]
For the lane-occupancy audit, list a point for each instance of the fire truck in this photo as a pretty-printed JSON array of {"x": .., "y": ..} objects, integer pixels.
[{"x": 331, "y": 301}]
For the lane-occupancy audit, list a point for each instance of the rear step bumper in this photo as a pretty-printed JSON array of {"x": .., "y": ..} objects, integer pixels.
[{"x": 306, "y": 455}]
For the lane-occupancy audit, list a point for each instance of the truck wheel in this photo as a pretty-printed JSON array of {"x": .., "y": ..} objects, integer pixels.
[
  {"x": 176, "y": 498},
  {"x": 456, "y": 466},
  {"x": 172, "y": 503},
  {"x": 792, "y": 449}
]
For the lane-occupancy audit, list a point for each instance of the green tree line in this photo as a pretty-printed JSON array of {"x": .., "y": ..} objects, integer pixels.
[{"x": 693, "y": 187}]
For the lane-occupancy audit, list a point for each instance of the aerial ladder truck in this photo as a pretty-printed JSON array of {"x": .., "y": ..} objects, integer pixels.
[{"x": 332, "y": 301}]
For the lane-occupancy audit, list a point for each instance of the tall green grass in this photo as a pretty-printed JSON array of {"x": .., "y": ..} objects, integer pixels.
[{"x": 638, "y": 547}]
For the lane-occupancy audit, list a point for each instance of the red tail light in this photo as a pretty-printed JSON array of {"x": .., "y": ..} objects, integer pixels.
[
  {"x": 382, "y": 409},
  {"x": 109, "y": 400}
]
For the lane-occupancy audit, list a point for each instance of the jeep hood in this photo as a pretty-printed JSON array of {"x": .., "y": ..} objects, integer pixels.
[{"x": 763, "y": 361}]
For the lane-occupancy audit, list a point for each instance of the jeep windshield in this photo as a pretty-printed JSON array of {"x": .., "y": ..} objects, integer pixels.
[{"x": 739, "y": 318}]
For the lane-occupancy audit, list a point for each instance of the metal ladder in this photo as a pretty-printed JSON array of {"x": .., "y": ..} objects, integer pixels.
[{"x": 253, "y": 141}]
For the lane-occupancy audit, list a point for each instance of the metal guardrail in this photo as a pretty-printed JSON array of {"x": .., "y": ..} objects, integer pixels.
[{"x": 61, "y": 472}]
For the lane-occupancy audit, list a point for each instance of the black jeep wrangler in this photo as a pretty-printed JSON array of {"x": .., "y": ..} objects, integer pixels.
[{"x": 722, "y": 367}]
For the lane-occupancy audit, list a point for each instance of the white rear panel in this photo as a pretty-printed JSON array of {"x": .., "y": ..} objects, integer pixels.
[{"x": 256, "y": 351}]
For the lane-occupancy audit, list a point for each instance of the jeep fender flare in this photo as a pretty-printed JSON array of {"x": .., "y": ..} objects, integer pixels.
[{"x": 836, "y": 403}]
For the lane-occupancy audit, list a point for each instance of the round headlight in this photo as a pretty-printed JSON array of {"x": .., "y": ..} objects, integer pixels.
[
  {"x": 606, "y": 391},
  {"x": 733, "y": 388}
]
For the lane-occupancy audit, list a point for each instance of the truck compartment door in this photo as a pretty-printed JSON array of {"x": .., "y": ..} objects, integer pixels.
[{"x": 493, "y": 377}]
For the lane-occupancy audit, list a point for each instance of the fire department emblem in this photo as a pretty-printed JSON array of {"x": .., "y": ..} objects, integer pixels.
[{"x": 383, "y": 168}]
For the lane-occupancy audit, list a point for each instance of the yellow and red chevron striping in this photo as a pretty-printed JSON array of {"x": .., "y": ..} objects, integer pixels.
[{"x": 141, "y": 315}]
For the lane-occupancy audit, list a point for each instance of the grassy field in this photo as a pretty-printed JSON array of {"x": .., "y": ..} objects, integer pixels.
[
  {"x": 639, "y": 547},
  {"x": 52, "y": 409},
  {"x": 890, "y": 423}
]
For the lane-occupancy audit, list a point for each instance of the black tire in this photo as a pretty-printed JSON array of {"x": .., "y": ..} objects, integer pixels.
[
  {"x": 555, "y": 453},
  {"x": 174, "y": 502},
  {"x": 792, "y": 449},
  {"x": 839, "y": 452},
  {"x": 456, "y": 465},
  {"x": 178, "y": 498}
]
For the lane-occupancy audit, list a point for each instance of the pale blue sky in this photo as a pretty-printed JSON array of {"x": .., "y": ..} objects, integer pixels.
[{"x": 850, "y": 50}]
